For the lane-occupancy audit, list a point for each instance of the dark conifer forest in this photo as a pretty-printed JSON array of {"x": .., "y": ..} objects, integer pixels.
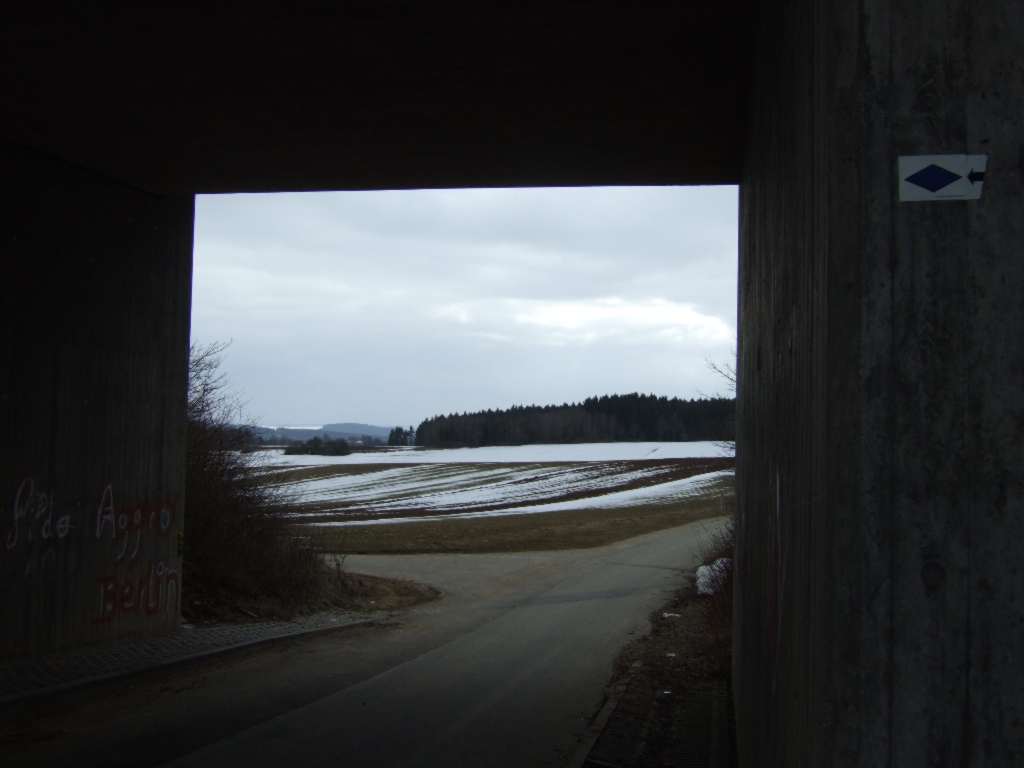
[{"x": 597, "y": 419}]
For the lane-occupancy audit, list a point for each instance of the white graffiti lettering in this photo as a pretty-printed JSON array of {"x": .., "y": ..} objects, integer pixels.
[
  {"x": 127, "y": 529},
  {"x": 105, "y": 513},
  {"x": 33, "y": 515}
]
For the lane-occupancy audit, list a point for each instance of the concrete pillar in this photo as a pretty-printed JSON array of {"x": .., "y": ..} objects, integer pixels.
[
  {"x": 880, "y": 562},
  {"x": 95, "y": 324}
]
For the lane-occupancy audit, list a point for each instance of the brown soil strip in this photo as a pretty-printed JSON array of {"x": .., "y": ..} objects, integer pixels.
[{"x": 298, "y": 474}]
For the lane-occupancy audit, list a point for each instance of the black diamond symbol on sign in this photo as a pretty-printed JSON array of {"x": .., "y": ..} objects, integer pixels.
[{"x": 933, "y": 178}]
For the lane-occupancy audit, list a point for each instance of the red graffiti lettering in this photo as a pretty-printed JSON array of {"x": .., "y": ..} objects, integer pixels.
[{"x": 155, "y": 591}]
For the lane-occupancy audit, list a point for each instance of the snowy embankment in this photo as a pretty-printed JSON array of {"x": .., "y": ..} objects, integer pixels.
[{"x": 507, "y": 454}]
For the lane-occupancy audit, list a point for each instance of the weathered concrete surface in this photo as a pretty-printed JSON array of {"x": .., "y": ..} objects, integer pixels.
[
  {"x": 880, "y": 591},
  {"x": 272, "y": 95},
  {"x": 95, "y": 326}
]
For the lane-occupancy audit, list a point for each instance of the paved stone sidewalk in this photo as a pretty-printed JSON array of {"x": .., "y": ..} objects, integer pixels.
[{"x": 21, "y": 678}]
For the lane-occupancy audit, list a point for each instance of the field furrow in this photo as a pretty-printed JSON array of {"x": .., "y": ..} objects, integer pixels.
[{"x": 412, "y": 485}]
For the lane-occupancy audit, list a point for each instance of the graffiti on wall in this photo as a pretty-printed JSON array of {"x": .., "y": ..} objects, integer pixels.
[
  {"x": 139, "y": 586},
  {"x": 125, "y": 529},
  {"x": 154, "y": 590},
  {"x": 33, "y": 517},
  {"x": 135, "y": 571},
  {"x": 35, "y": 523}
]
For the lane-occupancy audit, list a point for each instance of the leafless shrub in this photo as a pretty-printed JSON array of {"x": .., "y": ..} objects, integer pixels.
[{"x": 235, "y": 542}]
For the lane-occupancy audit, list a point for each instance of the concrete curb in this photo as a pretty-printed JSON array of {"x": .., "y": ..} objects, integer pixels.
[
  {"x": 165, "y": 663},
  {"x": 597, "y": 725}
]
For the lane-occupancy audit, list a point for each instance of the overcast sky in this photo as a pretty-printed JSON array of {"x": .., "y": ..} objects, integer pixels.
[{"x": 390, "y": 307}]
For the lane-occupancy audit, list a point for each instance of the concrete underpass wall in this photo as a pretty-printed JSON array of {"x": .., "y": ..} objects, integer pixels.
[
  {"x": 95, "y": 325},
  {"x": 880, "y": 561}
]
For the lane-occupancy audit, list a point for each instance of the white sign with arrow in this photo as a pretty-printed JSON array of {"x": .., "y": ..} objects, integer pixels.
[{"x": 941, "y": 177}]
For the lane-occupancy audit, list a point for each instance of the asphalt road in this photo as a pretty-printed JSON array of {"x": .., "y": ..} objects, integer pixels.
[{"x": 506, "y": 669}]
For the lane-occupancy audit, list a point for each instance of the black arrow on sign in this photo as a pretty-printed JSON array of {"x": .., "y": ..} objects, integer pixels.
[{"x": 974, "y": 176}]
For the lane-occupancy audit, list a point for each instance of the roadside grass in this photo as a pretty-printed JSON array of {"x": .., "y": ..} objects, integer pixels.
[
  {"x": 673, "y": 685},
  {"x": 277, "y": 575},
  {"x": 361, "y": 592},
  {"x": 716, "y": 611},
  {"x": 572, "y": 529}
]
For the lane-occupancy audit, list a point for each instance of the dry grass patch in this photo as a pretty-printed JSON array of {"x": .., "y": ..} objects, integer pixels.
[
  {"x": 336, "y": 589},
  {"x": 521, "y": 533},
  {"x": 374, "y": 593}
]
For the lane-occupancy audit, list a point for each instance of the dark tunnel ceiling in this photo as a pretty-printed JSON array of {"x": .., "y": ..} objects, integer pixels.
[{"x": 296, "y": 96}]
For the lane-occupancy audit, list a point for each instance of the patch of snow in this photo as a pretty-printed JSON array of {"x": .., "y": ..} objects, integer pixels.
[
  {"x": 709, "y": 577},
  {"x": 661, "y": 493},
  {"x": 464, "y": 488}
]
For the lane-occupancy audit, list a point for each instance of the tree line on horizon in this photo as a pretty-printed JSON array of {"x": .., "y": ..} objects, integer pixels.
[
  {"x": 399, "y": 436},
  {"x": 318, "y": 446},
  {"x": 609, "y": 418}
]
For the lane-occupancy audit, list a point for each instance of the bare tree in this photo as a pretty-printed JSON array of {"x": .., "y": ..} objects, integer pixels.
[
  {"x": 210, "y": 402},
  {"x": 727, "y": 371}
]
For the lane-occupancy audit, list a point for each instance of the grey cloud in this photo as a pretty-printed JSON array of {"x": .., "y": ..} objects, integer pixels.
[{"x": 392, "y": 306}]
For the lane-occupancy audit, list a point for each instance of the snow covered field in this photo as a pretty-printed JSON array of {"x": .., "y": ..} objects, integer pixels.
[
  {"x": 408, "y": 485},
  {"x": 661, "y": 494}
]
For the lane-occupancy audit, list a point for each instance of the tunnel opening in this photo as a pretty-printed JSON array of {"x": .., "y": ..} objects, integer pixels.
[
  {"x": 880, "y": 406},
  {"x": 498, "y": 336}
]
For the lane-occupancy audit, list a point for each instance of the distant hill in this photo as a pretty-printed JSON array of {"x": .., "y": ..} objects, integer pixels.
[
  {"x": 351, "y": 428},
  {"x": 351, "y": 431}
]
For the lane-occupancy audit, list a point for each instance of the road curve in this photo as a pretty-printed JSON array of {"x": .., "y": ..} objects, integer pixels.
[{"x": 505, "y": 670}]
